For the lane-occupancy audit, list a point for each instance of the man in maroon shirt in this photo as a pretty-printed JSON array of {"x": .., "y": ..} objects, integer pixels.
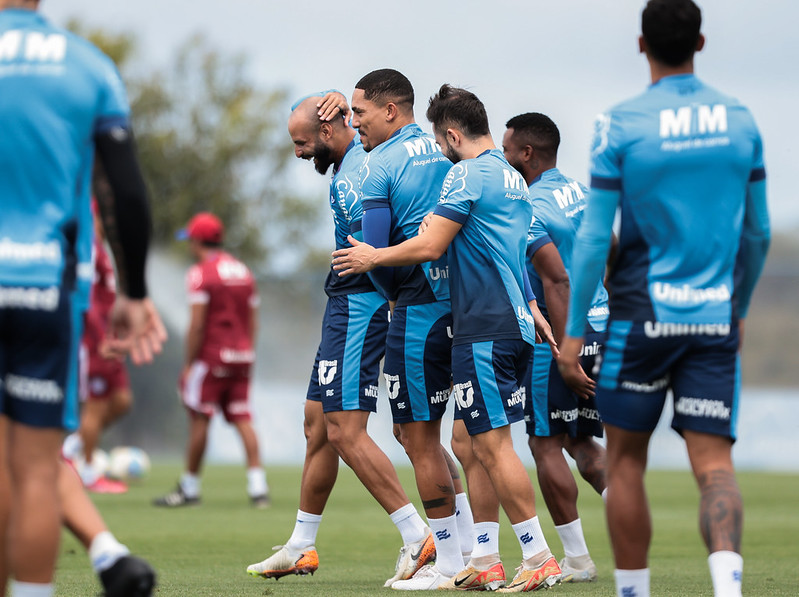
[{"x": 219, "y": 356}]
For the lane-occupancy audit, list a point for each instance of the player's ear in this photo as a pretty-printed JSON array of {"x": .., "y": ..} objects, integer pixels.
[
  {"x": 453, "y": 137},
  {"x": 326, "y": 131},
  {"x": 641, "y": 45},
  {"x": 528, "y": 152},
  {"x": 700, "y": 43},
  {"x": 392, "y": 111}
]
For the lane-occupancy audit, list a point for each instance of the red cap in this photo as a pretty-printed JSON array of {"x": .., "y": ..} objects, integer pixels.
[{"x": 204, "y": 227}]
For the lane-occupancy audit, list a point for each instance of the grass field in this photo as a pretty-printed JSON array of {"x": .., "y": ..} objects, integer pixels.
[{"x": 205, "y": 550}]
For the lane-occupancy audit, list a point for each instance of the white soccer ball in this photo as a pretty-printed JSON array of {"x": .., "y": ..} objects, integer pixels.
[
  {"x": 97, "y": 468},
  {"x": 128, "y": 463}
]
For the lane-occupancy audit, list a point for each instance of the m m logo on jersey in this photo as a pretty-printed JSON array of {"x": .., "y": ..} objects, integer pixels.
[
  {"x": 697, "y": 119},
  {"x": 36, "y": 47},
  {"x": 568, "y": 194},
  {"x": 327, "y": 371},
  {"x": 421, "y": 146},
  {"x": 514, "y": 180}
]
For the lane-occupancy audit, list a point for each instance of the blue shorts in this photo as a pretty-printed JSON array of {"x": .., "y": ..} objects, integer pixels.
[
  {"x": 551, "y": 407},
  {"x": 641, "y": 361},
  {"x": 347, "y": 365},
  {"x": 418, "y": 366},
  {"x": 39, "y": 354},
  {"x": 488, "y": 383}
]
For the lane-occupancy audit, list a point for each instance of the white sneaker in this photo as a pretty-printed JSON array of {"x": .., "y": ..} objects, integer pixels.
[
  {"x": 412, "y": 557},
  {"x": 286, "y": 561},
  {"x": 428, "y": 578},
  {"x": 579, "y": 569}
]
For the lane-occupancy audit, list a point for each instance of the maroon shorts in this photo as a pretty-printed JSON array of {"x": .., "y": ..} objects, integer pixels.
[
  {"x": 208, "y": 388},
  {"x": 106, "y": 377}
]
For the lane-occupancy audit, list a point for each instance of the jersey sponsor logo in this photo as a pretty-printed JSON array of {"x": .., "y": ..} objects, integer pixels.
[
  {"x": 421, "y": 146},
  {"x": 347, "y": 195},
  {"x": 513, "y": 180},
  {"x": 370, "y": 392},
  {"x": 33, "y": 390},
  {"x": 439, "y": 273},
  {"x": 37, "y": 299},
  {"x": 463, "y": 394},
  {"x": 517, "y": 397},
  {"x": 646, "y": 387},
  {"x": 21, "y": 252},
  {"x": 524, "y": 314},
  {"x": 231, "y": 355},
  {"x": 658, "y": 329},
  {"x": 591, "y": 350},
  {"x": 685, "y": 294},
  {"x": 599, "y": 142},
  {"x": 602, "y": 311},
  {"x": 327, "y": 371},
  {"x": 393, "y": 387},
  {"x": 702, "y": 407},
  {"x": 440, "y": 397},
  {"x": 568, "y": 195},
  {"x": 36, "y": 47},
  {"x": 455, "y": 182},
  {"x": 232, "y": 271},
  {"x": 449, "y": 332},
  {"x": 680, "y": 122}
]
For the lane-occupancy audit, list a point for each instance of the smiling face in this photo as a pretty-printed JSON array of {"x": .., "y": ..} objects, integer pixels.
[
  {"x": 308, "y": 144},
  {"x": 370, "y": 119}
]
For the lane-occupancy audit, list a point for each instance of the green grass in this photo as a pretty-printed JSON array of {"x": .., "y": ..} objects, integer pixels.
[{"x": 205, "y": 550}]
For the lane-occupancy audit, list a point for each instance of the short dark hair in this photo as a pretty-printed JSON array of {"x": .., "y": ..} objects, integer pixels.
[
  {"x": 386, "y": 85},
  {"x": 671, "y": 30},
  {"x": 538, "y": 131},
  {"x": 458, "y": 107}
]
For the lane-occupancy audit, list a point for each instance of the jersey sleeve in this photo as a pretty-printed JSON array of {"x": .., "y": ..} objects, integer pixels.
[
  {"x": 605, "y": 162},
  {"x": 196, "y": 287},
  {"x": 113, "y": 108},
  {"x": 375, "y": 183},
  {"x": 459, "y": 193},
  {"x": 537, "y": 235}
]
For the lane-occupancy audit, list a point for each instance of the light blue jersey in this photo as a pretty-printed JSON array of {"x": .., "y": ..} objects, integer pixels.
[
  {"x": 56, "y": 92},
  {"x": 489, "y": 198},
  {"x": 345, "y": 203},
  {"x": 405, "y": 174},
  {"x": 685, "y": 164},
  {"x": 558, "y": 205}
]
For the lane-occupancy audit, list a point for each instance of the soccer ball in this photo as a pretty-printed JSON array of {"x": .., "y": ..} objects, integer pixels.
[{"x": 127, "y": 463}]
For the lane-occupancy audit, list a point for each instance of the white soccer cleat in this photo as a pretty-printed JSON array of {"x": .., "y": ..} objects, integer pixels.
[
  {"x": 286, "y": 561},
  {"x": 428, "y": 578},
  {"x": 412, "y": 557},
  {"x": 579, "y": 569}
]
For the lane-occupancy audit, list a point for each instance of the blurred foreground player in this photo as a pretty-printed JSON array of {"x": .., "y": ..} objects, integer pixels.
[
  {"x": 220, "y": 352},
  {"x": 685, "y": 165},
  {"x": 60, "y": 100}
]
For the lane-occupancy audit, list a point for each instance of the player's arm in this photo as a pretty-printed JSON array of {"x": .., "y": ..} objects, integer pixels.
[
  {"x": 195, "y": 333},
  {"x": 549, "y": 266},
  {"x": 431, "y": 245},
  {"x": 755, "y": 241}
]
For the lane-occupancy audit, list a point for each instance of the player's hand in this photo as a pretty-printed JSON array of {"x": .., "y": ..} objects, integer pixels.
[
  {"x": 579, "y": 382},
  {"x": 110, "y": 351},
  {"x": 543, "y": 331},
  {"x": 569, "y": 365},
  {"x": 137, "y": 328},
  {"x": 333, "y": 104},
  {"x": 425, "y": 222},
  {"x": 357, "y": 259}
]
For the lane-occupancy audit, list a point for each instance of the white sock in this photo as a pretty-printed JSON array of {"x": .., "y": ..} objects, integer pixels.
[
  {"x": 486, "y": 539},
  {"x": 449, "y": 560},
  {"x": 571, "y": 535},
  {"x": 632, "y": 583},
  {"x": 305, "y": 530},
  {"x": 89, "y": 475},
  {"x": 190, "y": 484},
  {"x": 410, "y": 525},
  {"x": 72, "y": 446},
  {"x": 726, "y": 569},
  {"x": 29, "y": 589},
  {"x": 105, "y": 551},
  {"x": 465, "y": 520},
  {"x": 256, "y": 482},
  {"x": 531, "y": 537}
]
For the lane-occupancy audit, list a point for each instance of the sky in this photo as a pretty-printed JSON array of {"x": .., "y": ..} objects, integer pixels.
[{"x": 570, "y": 59}]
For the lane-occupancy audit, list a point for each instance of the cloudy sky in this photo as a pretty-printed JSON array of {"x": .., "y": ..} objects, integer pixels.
[{"x": 570, "y": 59}]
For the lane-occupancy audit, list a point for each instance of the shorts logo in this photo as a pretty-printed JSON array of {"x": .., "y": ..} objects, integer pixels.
[
  {"x": 567, "y": 416},
  {"x": 517, "y": 397},
  {"x": 702, "y": 407},
  {"x": 393, "y": 386},
  {"x": 327, "y": 371},
  {"x": 370, "y": 392},
  {"x": 449, "y": 332},
  {"x": 33, "y": 390},
  {"x": 98, "y": 386},
  {"x": 645, "y": 387},
  {"x": 463, "y": 394},
  {"x": 441, "y": 397}
]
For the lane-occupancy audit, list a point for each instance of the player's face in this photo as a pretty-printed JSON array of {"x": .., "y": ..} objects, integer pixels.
[
  {"x": 369, "y": 119},
  {"x": 446, "y": 146},
  {"x": 308, "y": 146},
  {"x": 512, "y": 150}
]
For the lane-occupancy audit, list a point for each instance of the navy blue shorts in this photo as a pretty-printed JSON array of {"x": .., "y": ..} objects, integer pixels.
[
  {"x": 39, "y": 345},
  {"x": 347, "y": 365},
  {"x": 488, "y": 386},
  {"x": 551, "y": 407},
  {"x": 700, "y": 364},
  {"x": 418, "y": 366}
]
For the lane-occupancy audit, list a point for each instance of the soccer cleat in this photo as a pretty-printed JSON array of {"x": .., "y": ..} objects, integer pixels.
[
  {"x": 579, "y": 569},
  {"x": 106, "y": 485},
  {"x": 286, "y": 561},
  {"x": 427, "y": 578},
  {"x": 128, "y": 577},
  {"x": 533, "y": 579},
  {"x": 259, "y": 502},
  {"x": 475, "y": 578},
  {"x": 412, "y": 557},
  {"x": 176, "y": 498}
]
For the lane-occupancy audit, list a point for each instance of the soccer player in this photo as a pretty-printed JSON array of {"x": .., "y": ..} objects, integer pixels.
[
  {"x": 220, "y": 352},
  {"x": 343, "y": 387},
  {"x": 60, "y": 100},
  {"x": 556, "y": 415},
  {"x": 685, "y": 165},
  {"x": 481, "y": 221}
]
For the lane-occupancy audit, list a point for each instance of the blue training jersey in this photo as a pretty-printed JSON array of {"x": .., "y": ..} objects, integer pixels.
[
  {"x": 405, "y": 174},
  {"x": 681, "y": 157},
  {"x": 489, "y": 198},
  {"x": 56, "y": 92},
  {"x": 558, "y": 205},
  {"x": 345, "y": 203}
]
